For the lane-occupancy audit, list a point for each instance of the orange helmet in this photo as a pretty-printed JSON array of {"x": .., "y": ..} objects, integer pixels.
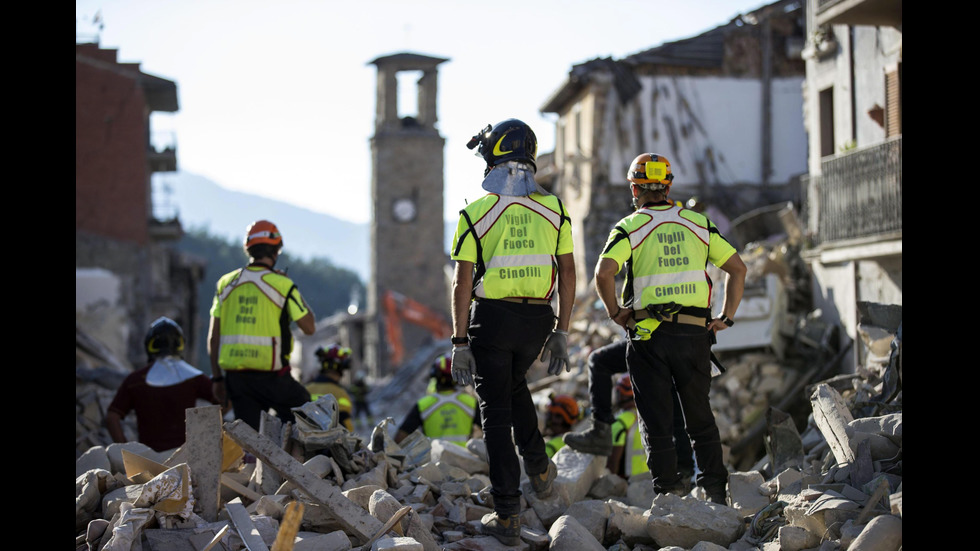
[
  {"x": 563, "y": 407},
  {"x": 262, "y": 232},
  {"x": 650, "y": 168},
  {"x": 624, "y": 389}
]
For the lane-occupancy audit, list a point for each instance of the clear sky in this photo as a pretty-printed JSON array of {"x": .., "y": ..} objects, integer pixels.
[{"x": 278, "y": 98}]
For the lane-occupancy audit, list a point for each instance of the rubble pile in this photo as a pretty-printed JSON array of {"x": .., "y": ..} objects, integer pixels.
[{"x": 834, "y": 485}]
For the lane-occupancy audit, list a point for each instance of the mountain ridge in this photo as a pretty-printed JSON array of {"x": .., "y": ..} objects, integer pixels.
[{"x": 306, "y": 234}]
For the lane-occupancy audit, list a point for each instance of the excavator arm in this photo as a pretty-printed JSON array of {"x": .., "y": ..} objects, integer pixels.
[{"x": 399, "y": 308}]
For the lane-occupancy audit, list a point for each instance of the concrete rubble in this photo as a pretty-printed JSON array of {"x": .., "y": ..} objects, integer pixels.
[{"x": 815, "y": 459}]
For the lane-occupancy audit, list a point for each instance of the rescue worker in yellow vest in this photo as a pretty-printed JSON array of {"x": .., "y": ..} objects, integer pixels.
[
  {"x": 250, "y": 337},
  {"x": 562, "y": 414},
  {"x": 449, "y": 413},
  {"x": 664, "y": 250},
  {"x": 628, "y": 456},
  {"x": 513, "y": 251},
  {"x": 334, "y": 360}
]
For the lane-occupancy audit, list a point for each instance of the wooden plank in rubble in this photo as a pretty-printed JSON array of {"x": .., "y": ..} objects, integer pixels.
[{"x": 351, "y": 516}]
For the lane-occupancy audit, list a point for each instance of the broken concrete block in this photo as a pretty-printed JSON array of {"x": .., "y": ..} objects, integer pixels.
[
  {"x": 396, "y": 544},
  {"x": 383, "y": 506},
  {"x": 640, "y": 492},
  {"x": 795, "y": 538},
  {"x": 444, "y": 451},
  {"x": 478, "y": 447},
  {"x": 684, "y": 522},
  {"x": 627, "y": 523},
  {"x": 608, "y": 485},
  {"x": 362, "y": 495},
  {"x": 549, "y": 508},
  {"x": 273, "y": 506},
  {"x": 95, "y": 457},
  {"x": 577, "y": 472},
  {"x": 832, "y": 417},
  {"x": 567, "y": 534},
  {"x": 882, "y": 533},
  {"x": 592, "y": 514},
  {"x": 536, "y": 540},
  {"x": 746, "y": 492},
  {"x": 378, "y": 476},
  {"x": 880, "y": 446},
  {"x": 788, "y": 483},
  {"x": 429, "y": 471},
  {"x": 313, "y": 541},
  {"x": 452, "y": 472},
  {"x": 889, "y": 426}
]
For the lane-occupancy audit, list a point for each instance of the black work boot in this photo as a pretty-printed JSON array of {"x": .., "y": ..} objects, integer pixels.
[
  {"x": 597, "y": 440},
  {"x": 507, "y": 529},
  {"x": 543, "y": 483}
]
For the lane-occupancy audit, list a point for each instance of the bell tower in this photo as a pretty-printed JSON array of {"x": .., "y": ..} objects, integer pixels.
[{"x": 408, "y": 294}]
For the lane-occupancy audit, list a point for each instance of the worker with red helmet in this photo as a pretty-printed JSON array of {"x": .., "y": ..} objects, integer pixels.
[
  {"x": 562, "y": 413},
  {"x": 666, "y": 310},
  {"x": 335, "y": 360},
  {"x": 250, "y": 339},
  {"x": 449, "y": 413}
]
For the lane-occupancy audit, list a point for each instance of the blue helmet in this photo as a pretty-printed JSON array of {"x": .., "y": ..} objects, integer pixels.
[{"x": 509, "y": 140}]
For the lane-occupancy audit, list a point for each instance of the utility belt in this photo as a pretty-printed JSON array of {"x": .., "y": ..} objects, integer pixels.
[
  {"x": 517, "y": 300},
  {"x": 689, "y": 315}
]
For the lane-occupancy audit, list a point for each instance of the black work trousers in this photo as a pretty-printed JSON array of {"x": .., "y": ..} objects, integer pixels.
[
  {"x": 678, "y": 356},
  {"x": 610, "y": 360},
  {"x": 252, "y": 392},
  {"x": 506, "y": 338}
]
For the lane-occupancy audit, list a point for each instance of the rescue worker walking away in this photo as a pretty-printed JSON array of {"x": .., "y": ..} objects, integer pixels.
[
  {"x": 449, "y": 413},
  {"x": 513, "y": 250},
  {"x": 665, "y": 249},
  {"x": 250, "y": 339}
]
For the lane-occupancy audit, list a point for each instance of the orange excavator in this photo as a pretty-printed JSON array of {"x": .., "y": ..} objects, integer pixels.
[{"x": 399, "y": 308}]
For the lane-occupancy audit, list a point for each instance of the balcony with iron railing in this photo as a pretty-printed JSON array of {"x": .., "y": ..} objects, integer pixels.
[
  {"x": 161, "y": 154},
  {"x": 857, "y": 196}
]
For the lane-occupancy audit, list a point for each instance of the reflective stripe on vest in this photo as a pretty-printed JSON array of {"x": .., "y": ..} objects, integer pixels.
[
  {"x": 635, "y": 457},
  {"x": 240, "y": 351},
  {"x": 455, "y": 419},
  {"x": 535, "y": 264},
  {"x": 685, "y": 281}
]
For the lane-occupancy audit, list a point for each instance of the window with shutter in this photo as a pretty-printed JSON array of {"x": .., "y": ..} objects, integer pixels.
[{"x": 893, "y": 101}]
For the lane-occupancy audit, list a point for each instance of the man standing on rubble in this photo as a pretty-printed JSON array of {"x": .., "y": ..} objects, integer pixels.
[
  {"x": 510, "y": 246},
  {"x": 665, "y": 249},
  {"x": 604, "y": 363},
  {"x": 250, "y": 339},
  {"x": 161, "y": 392}
]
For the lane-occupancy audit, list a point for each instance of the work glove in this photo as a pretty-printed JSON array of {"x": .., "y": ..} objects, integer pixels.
[
  {"x": 464, "y": 365},
  {"x": 556, "y": 346},
  {"x": 660, "y": 312}
]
